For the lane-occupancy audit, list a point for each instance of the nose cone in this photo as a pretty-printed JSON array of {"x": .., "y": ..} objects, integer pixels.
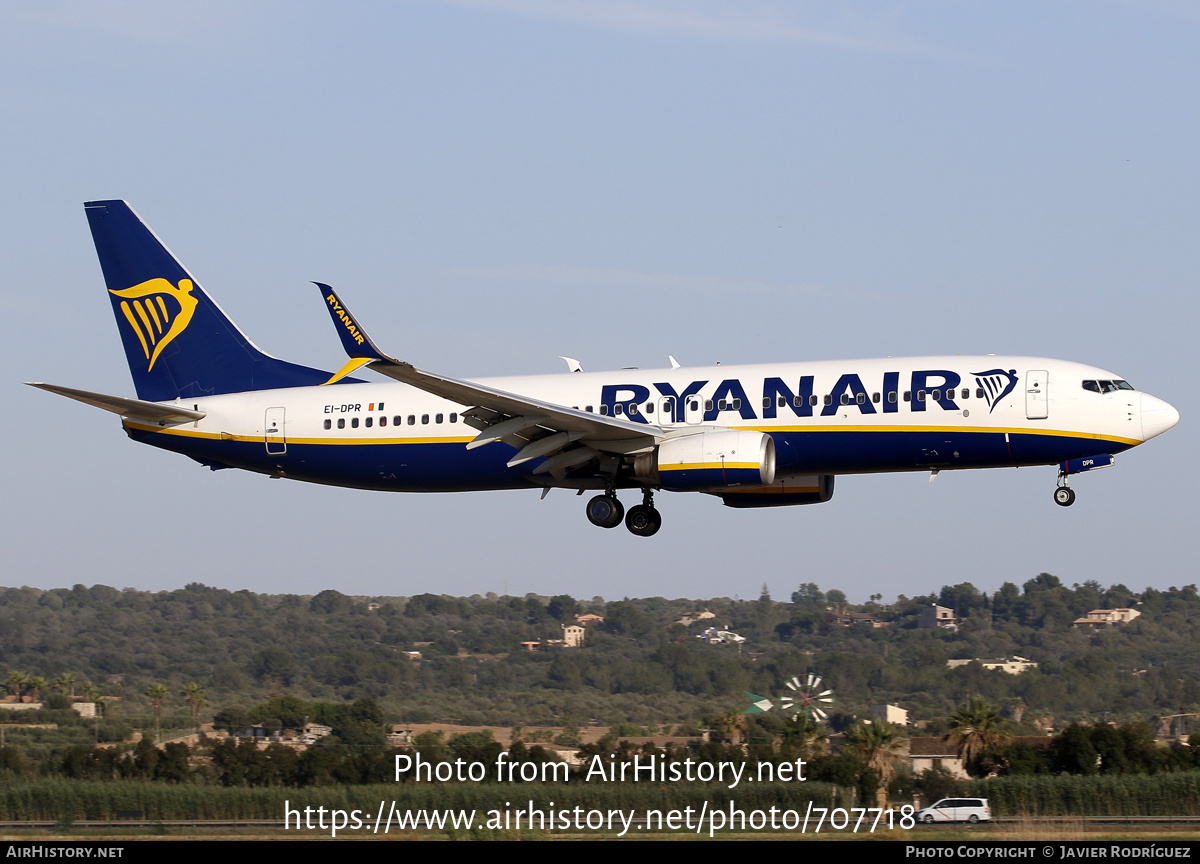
[{"x": 1157, "y": 416}]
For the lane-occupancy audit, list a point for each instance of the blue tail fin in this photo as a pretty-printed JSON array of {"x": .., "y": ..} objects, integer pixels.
[{"x": 177, "y": 340}]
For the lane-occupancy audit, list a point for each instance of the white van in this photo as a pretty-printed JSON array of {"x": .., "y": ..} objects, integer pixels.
[{"x": 956, "y": 810}]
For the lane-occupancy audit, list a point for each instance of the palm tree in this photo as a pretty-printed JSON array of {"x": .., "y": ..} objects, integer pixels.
[
  {"x": 195, "y": 697},
  {"x": 37, "y": 685},
  {"x": 158, "y": 693},
  {"x": 976, "y": 729},
  {"x": 879, "y": 746},
  {"x": 732, "y": 726},
  {"x": 804, "y": 734},
  {"x": 65, "y": 683},
  {"x": 16, "y": 681}
]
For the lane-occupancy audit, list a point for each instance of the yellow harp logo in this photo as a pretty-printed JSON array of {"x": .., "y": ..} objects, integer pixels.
[{"x": 155, "y": 321}]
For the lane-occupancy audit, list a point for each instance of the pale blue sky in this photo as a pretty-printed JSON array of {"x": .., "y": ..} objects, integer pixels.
[{"x": 492, "y": 184}]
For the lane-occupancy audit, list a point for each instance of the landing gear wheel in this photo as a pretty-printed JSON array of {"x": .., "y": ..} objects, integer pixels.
[
  {"x": 1064, "y": 496},
  {"x": 605, "y": 511},
  {"x": 642, "y": 520}
]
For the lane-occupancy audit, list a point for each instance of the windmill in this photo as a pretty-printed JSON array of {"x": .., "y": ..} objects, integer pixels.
[{"x": 806, "y": 697}]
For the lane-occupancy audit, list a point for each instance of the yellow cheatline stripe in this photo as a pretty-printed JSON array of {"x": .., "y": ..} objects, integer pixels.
[
  {"x": 695, "y": 466},
  {"x": 355, "y": 363},
  {"x": 136, "y": 328},
  {"x": 258, "y": 439},
  {"x": 973, "y": 430}
]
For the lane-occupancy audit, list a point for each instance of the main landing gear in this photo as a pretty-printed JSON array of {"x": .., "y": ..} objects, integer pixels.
[
  {"x": 1064, "y": 495},
  {"x": 606, "y": 511}
]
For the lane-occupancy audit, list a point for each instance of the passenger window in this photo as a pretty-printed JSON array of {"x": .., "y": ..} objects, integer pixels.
[
  {"x": 424, "y": 419},
  {"x": 353, "y": 422},
  {"x": 588, "y": 409},
  {"x": 737, "y": 404},
  {"x": 618, "y": 409},
  {"x": 907, "y": 395},
  {"x": 812, "y": 400},
  {"x": 920, "y": 395},
  {"x": 767, "y": 402},
  {"x": 936, "y": 395},
  {"x": 845, "y": 400},
  {"x": 369, "y": 422},
  {"x": 341, "y": 422},
  {"x": 860, "y": 398},
  {"x": 383, "y": 421},
  {"x": 782, "y": 402},
  {"x": 721, "y": 405},
  {"x": 978, "y": 392},
  {"x": 798, "y": 401},
  {"x": 966, "y": 393},
  {"x": 828, "y": 399},
  {"x": 453, "y": 418},
  {"x": 633, "y": 408},
  {"x": 396, "y": 420},
  {"x": 439, "y": 418},
  {"x": 892, "y": 397},
  {"x": 603, "y": 410},
  {"x": 695, "y": 405},
  {"x": 328, "y": 424},
  {"x": 707, "y": 404},
  {"x": 875, "y": 397},
  {"x": 649, "y": 407},
  {"x": 412, "y": 419}
]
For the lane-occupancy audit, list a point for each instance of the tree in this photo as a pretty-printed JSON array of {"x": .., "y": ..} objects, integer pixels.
[
  {"x": 976, "y": 729},
  {"x": 16, "y": 681},
  {"x": 803, "y": 735},
  {"x": 878, "y": 747},
  {"x": 36, "y": 685},
  {"x": 65, "y": 683},
  {"x": 158, "y": 693},
  {"x": 195, "y": 697}
]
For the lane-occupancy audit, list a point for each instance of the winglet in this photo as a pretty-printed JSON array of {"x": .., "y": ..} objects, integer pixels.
[{"x": 355, "y": 340}]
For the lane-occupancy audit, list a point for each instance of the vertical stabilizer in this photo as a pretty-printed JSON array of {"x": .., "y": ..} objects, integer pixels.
[{"x": 177, "y": 340}]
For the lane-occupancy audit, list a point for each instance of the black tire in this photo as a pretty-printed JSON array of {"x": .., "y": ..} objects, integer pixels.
[
  {"x": 1064, "y": 496},
  {"x": 928, "y": 818},
  {"x": 605, "y": 511},
  {"x": 643, "y": 521},
  {"x": 973, "y": 819}
]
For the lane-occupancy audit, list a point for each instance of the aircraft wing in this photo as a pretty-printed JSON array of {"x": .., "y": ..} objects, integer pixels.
[
  {"x": 535, "y": 427},
  {"x": 153, "y": 411}
]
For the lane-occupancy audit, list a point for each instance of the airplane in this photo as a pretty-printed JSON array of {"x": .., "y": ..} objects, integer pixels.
[{"x": 761, "y": 435}]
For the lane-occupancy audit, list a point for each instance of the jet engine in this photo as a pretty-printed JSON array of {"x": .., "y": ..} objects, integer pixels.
[
  {"x": 710, "y": 461},
  {"x": 812, "y": 489}
]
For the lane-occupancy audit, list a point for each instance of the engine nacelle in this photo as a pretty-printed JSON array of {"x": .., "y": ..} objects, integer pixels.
[
  {"x": 785, "y": 493},
  {"x": 710, "y": 461}
]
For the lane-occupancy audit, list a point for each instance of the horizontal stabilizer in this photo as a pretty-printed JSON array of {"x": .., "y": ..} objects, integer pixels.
[{"x": 123, "y": 406}]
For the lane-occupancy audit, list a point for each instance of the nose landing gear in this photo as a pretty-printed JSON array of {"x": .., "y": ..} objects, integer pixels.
[{"x": 1064, "y": 495}]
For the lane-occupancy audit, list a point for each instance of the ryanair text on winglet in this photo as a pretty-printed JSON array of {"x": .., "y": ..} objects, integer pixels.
[{"x": 341, "y": 312}]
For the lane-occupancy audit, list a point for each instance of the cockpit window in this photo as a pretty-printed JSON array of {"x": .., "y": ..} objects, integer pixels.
[
  {"x": 1123, "y": 385},
  {"x": 1106, "y": 386},
  {"x": 1092, "y": 386}
]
